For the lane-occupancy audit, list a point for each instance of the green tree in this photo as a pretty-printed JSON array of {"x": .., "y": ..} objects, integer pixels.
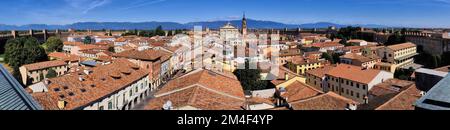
[
  {"x": 53, "y": 44},
  {"x": 159, "y": 31},
  {"x": 51, "y": 73},
  {"x": 111, "y": 49},
  {"x": 21, "y": 51},
  {"x": 87, "y": 40},
  {"x": 395, "y": 39},
  {"x": 336, "y": 58},
  {"x": 404, "y": 74},
  {"x": 250, "y": 78},
  {"x": 178, "y": 31},
  {"x": 328, "y": 57}
]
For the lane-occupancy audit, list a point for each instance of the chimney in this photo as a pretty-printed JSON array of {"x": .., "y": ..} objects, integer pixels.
[
  {"x": 80, "y": 78},
  {"x": 87, "y": 72},
  {"x": 366, "y": 100},
  {"x": 46, "y": 81},
  {"x": 286, "y": 76},
  {"x": 62, "y": 104},
  {"x": 351, "y": 106},
  {"x": 246, "y": 104}
]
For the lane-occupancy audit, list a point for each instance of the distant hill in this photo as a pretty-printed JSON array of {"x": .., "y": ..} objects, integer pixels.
[{"x": 256, "y": 24}]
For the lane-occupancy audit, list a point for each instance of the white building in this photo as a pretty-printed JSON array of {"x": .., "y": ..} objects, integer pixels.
[{"x": 116, "y": 86}]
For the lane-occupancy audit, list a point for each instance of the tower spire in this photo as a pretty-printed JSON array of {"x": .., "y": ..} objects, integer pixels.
[{"x": 244, "y": 25}]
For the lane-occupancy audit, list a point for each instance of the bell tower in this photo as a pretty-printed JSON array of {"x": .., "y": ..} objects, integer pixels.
[{"x": 244, "y": 26}]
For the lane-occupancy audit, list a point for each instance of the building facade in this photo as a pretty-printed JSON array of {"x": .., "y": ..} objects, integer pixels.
[
  {"x": 354, "y": 82},
  {"x": 33, "y": 73},
  {"x": 401, "y": 55}
]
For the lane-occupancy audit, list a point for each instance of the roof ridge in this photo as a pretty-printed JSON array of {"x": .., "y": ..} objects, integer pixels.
[
  {"x": 219, "y": 92},
  {"x": 396, "y": 96},
  {"x": 194, "y": 95}
]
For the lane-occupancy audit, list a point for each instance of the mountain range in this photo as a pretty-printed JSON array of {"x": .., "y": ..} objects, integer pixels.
[{"x": 255, "y": 24}]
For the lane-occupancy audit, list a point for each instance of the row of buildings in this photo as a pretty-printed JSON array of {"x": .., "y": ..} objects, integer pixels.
[{"x": 158, "y": 73}]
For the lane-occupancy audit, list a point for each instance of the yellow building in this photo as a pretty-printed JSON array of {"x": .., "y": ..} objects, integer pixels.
[
  {"x": 400, "y": 55},
  {"x": 385, "y": 66},
  {"x": 301, "y": 65}
]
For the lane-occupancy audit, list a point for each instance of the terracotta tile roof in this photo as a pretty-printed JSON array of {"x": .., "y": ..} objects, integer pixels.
[
  {"x": 65, "y": 56},
  {"x": 281, "y": 76},
  {"x": 209, "y": 79},
  {"x": 105, "y": 43},
  {"x": 328, "y": 101},
  {"x": 44, "y": 65},
  {"x": 325, "y": 44},
  {"x": 197, "y": 97},
  {"x": 299, "y": 91},
  {"x": 91, "y": 47},
  {"x": 158, "y": 43},
  {"x": 73, "y": 43},
  {"x": 354, "y": 73},
  {"x": 443, "y": 69},
  {"x": 121, "y": 39},
  {"x": 403, "y": 101},
  {"x": 104, "y": 58},
  {"x": 299, "y": 60},
  {"x": 353, "y": 47},
  {"x": 150, "y": 55},
  {"x": 202, "y": 89},
  {"x": 320, "y": 72},
  {"x": 356, "y": 40},
  {"x": 95, "y": 86},
  {"x": 289, "y": 52},
  {"x": 279, "y": 108},
  {"x": 401, "y": 46},
  {"x": 354, "y": 56},
  {"x": 383, "y": 92},
  {"x": 172, "y": 48},
  {"x": 390, "y": 86},
  {"x": 257, "y": 100}
]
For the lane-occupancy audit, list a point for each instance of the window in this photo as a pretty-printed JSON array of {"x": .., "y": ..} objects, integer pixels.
[
  {"x": 357, "y": 85},
  {"x": 101, "y": 108},
  {"x": 364, "y": 87},
  {"x": 351, "y": 83},
  {"x": 123, "y": 99},
  {"x": 346, "y": 82},
  {"x": 346, "y": 91},
  {"x": 136, "y": 89},
  {"x": 131, "y": 92},
  {"x": 110, "y": 106},
  {"x": 351, "y": 93},
  {"x": 357, "y": 95},
  {"x": 342, "y": 90}
]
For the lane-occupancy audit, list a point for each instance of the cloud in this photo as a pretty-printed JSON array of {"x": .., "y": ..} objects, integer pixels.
[
  {"x": 141, "y": 3},
  {"x": 86, "y": 5}
]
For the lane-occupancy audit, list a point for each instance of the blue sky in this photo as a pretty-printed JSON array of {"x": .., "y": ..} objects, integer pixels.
[{"x": 411, "y": 13}]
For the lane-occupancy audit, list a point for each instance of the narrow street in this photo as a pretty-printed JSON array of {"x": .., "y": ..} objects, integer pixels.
[{"x": 142, "y": 104}]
